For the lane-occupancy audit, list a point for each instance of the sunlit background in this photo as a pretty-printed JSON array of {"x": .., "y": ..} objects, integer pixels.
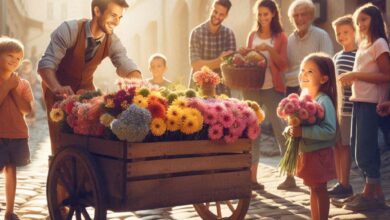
[{"x": 150, "y": 26}]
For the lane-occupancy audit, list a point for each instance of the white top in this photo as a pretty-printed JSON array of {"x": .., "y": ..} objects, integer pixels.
[
  {"x": 268, "y": 76},
  {"x": 366, "y": 61}
]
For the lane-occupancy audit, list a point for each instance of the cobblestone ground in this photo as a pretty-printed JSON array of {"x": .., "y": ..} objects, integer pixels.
[{"x": 271, "y": 204}]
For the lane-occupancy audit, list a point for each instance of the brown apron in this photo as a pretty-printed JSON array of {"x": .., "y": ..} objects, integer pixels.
[{"x": 74, "y": 72}]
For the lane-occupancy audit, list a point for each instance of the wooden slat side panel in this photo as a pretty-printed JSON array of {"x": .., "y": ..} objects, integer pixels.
[
  {"x": 113, "y": 176},
  {"x": 148, "y": 194},
  {"x": 179, "y": 165},
  {"x": 107, "y": 147},
  {"x": 142, "y": 150},
  {"x": 72, "y": 140}
]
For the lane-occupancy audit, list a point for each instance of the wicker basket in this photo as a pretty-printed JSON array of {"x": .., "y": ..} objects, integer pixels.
[{"x": 243, "y": 78}]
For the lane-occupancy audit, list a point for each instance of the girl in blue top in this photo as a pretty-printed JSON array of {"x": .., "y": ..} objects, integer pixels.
[{"x": 315, "y": 161}]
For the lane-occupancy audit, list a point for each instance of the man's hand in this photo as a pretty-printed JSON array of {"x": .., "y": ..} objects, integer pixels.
[
  {"x": 383, "y": 109},
  {"x": 63, "y": 91},
  {"x": 134, "y": 74},
  {"x": 224, "y": 54},
  {"x": 346, "y": 79}
]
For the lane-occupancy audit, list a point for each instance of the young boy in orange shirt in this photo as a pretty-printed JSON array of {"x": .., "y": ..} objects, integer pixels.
[{"x": 15, "y": 102}]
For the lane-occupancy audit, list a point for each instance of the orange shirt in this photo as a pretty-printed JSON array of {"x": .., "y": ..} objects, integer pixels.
[{"x": 12, "y": 123}]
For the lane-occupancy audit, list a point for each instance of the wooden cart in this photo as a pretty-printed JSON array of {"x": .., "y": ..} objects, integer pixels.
[{"x": 88, "y": 176}]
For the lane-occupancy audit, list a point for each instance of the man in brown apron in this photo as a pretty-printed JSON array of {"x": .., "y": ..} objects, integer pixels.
[{"x": 76, "y": 49}]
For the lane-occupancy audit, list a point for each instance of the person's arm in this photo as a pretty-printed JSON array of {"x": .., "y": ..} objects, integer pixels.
[
  {"x": 125, "y": 67},
  {"x": 383, "y": 76},
  {"x": 280, "y": 57},
  {"x": 195, "y": 55},
  {"x": 62, "y": 38},
  {"x": 22, "y": 96},
  {"x": 7, "y": 86},
  {"x": 49, "y": 78},
  {"x": 326, "y": 129}
]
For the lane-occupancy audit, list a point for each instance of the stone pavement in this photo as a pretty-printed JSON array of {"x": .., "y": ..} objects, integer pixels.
[{"x": 271, "y": 204}]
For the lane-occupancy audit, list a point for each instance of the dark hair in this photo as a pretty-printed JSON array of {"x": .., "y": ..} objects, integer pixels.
[
  {"x": 276, "y": 24},
  {"x": 343, "y": 20},
  {"x": 225, "y": 3},
  {"x": 377, "y": 26},
  {"x": 158, "y": 56},
  {"x": 326, "y": 66},
  {"x": 102, "y": 4}
]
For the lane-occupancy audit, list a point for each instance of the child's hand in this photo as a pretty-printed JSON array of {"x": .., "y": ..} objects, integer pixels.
[
  {"x": 13, "y": 81},
  {"x": 346, "y": 79},
  {"x": 296, "y": 131},
  {"x": 383, "y": 109}
]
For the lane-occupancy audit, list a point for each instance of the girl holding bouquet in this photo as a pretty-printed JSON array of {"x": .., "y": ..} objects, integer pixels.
[{"x": 315, "y": 163}]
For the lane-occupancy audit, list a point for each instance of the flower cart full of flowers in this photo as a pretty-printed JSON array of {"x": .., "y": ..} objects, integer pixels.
[{"x": 145, "y": 147}]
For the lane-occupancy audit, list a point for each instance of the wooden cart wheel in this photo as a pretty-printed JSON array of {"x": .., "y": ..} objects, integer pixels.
[
  {"x": 74, "y": 187},
  {"x": 227, "y": 210}
]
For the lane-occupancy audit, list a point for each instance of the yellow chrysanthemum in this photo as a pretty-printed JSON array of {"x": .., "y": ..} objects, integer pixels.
[
  {"x": 196, "y": 113},
  {"x": 109, "y": 103},
  {"x": 140, "y": 101},
  {"x": 223, "y": 97},
  {"x": 158, "y": 127},
  {"x": 180, "y": 102},
  {"x": 173, "y": 124},
  {"x": 156, "y": 94},
  {"x": 174, "y": 112},
  {"x": 260, "y": 116},
  {"x": 255, "y": 106},
  {"x": 189, "y": 126},
  {"x": 124, "y": 105},
  {"x": 56, "y": 114},
  {"x": 106, "y": 119},
  {"x": 186, "y": 113}
]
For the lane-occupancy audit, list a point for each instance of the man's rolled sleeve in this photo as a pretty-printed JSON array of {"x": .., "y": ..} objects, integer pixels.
[
  {"x": 61, "y": 39},
  {"x": 194, "y": 47},
  {"x": 119, "y": 59}
]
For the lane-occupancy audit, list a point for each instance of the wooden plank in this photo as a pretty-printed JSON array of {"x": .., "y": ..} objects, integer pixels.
[
  {"x": 179, "y": 165},
  {"x": 142, "y": 150},
  {"x": 112, "y": 172},
  {"x": 148, "y": 194},
  {"x": 106, "y": 147},
  {"x": 72, "y": 140}
]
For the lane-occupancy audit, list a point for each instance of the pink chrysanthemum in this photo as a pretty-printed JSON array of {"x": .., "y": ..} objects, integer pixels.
[
  {"x": 230, "y": 138},
  {"x": 311, "y": 108},
  {"x": 226, "y": 119},
  {"x": 303, "y": 114},
  {"x": 215, "y": 132},
  {"x": 210, "y": 117},
  {"x": 253, "y": 131}
]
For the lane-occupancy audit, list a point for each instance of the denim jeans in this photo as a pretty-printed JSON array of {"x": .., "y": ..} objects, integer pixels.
[{"x": 364, "y": 140}]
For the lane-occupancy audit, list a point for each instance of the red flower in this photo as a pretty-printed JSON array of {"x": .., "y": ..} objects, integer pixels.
[{"x": 157, "y": 109}]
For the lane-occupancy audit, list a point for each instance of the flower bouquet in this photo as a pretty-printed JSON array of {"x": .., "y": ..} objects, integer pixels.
[
  {"x": 244, "y": 70},
  {"x": 151, "y": 114},
  {"x": 207, "y": 80},
  {"x": 297, "y": 112}
]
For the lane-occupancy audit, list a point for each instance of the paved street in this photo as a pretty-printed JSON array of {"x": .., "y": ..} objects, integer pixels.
[{"x": 271, "y": 204}]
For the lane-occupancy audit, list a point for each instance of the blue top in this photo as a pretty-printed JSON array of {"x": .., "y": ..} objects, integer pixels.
[{"x": 321, "y": 135}]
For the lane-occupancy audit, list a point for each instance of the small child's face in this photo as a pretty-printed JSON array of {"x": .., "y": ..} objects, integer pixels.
[
  {"x": 157, "y": 67},
  {"x": 310, "y": 76},
  {"x": 9, "y": 61},
  {"x": 345, "y": 35}
]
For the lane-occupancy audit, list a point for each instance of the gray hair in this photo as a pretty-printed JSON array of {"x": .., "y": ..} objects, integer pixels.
[{"x": 308, "y": 3}]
